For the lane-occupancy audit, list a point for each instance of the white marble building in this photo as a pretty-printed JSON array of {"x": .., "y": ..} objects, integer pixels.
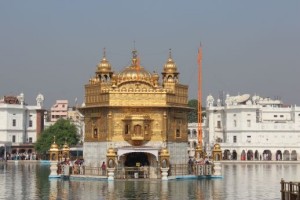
[
  {"x": 252, "y": 128},
  {"x": 192, "y": 138},
  {"x": 20, "y": 123}
]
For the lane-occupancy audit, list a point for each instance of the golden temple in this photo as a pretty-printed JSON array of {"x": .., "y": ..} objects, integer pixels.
[{"x": 134, "y": 114}]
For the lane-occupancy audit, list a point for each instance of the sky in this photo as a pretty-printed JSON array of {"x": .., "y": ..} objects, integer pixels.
[{"x": 53, "y": 47}]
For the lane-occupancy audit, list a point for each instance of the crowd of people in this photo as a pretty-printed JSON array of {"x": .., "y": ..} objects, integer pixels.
[
  {"x": 193, "y": 162},
  {"x": 75, "y": 166},
  {"x": 21, "y": 156}
]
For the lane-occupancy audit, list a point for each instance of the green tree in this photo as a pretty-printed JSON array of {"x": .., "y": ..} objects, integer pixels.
[
  {"x": 193, "y": 114},
  {"x": 63, "y": 130}
]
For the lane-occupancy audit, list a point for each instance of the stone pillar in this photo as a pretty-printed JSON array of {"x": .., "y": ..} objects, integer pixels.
[
  {"x": 199, "y": 152},
  {"x": 111, "y": 163},
  {"x": 111, "y": 174},
  {"x": 164, "y": 163},
  {"x": 164, "y": 173},
  {"x": 54, "y": 153},
  {"x": 53, "y": 169},
  {"x": 217, "y": 169},
  {"x": 217, "y": 153}
]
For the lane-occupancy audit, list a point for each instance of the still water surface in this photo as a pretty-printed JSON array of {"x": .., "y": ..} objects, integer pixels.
[{"x": 241, "y": 181}]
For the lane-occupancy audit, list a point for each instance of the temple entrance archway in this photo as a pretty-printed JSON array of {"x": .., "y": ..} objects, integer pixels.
[
  {"x": 136, "y": 159},
  {"x": 137, "y": 165}
]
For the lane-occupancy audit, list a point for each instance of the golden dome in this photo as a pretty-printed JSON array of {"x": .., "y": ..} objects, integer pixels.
[
  {"x": 170, "y": 66},
  {"x": 104, "y": 65},
  {"x": 135, "y": 71},
  {"x": 54, "y": 146}
]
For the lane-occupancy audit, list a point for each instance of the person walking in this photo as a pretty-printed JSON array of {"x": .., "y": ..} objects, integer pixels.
[{"x": 103, "y": 168}]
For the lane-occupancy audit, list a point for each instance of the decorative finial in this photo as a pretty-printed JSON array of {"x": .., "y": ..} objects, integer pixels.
[
  {"x": 134, "y": 45},
  {"x": 104, "y": 52},
  {"x": 170, "y": 53},
  {"x": 134, "y": 57},
  {"x": 54, "y": 139}
]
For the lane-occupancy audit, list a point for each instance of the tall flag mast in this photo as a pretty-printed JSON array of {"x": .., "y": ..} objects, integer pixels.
[{"x": 199, "y": 61}]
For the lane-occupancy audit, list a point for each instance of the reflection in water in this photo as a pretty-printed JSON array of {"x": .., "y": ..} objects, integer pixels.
[{"x": 241, "y": 181}]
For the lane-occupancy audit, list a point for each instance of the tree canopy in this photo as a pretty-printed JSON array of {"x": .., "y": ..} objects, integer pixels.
[
  {"x": 193, "y": 115},
  {"x": 63, "y": 130}
]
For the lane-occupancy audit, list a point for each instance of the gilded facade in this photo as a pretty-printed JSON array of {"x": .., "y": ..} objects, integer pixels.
[{"x": 134, "y": 113}]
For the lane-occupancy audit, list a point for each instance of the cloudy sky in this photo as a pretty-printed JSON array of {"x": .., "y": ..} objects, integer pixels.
[{"x": 53, "y": 47}]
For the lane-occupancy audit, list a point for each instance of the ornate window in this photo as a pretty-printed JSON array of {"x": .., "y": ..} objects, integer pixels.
[
  {"x": 95, "y": 135},
  {"x": 177, "y": 133},
  {"x": 30, "y": 123},
  {"x": 138, "y": 129},
  {"x": 127, "y": 128}
]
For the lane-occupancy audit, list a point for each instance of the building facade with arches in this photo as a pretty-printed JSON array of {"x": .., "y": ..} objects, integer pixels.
[
  {"x": 20, "y": 126},
  {"x": 135, "y": 114},
  {"x": 252, "y": 128}
]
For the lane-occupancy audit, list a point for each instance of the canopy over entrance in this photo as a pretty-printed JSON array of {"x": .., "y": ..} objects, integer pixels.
[{"x": 126, "y": 150}]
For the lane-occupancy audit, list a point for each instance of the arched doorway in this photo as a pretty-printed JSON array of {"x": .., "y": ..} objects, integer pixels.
[
  {"x": 234, "y": 155},
  {"x": 136, "y": 159},
  {"x": 227, "y": 155},
  {"x": 250, "y": 155},
  {"x": 294, "y": 155},
  {"x": 286, "y": 155},
  {"x": 2, "y": 156},
  {"x": 278, "y": 155},
  {"x": 267, "y": 155},
  {"x": 256, "y": 155},
  {"x": 243, "y": 155}
]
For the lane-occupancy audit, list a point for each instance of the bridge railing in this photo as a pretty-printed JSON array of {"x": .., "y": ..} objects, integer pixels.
[
  {"x": 290, "y": 190},
  {"x": 186, "y": 169}
]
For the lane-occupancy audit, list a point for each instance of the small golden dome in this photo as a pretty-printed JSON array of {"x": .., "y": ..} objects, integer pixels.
[
  {"x": 217, "y": 147},
  {"x": 54, "y": 146},
  {"x": 199, "y": 147},
  {"x": 164, "y": 152},
  {"x": 155, "y": 76},
  {"x": 170, "y": 66},
  {"x": 104, "y": 65},
  {"x": 66, "y": 147},
  {"x": 111, "y": 152}
]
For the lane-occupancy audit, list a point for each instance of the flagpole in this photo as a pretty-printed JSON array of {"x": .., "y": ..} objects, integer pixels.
[{"x": 199, "y": 61}]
